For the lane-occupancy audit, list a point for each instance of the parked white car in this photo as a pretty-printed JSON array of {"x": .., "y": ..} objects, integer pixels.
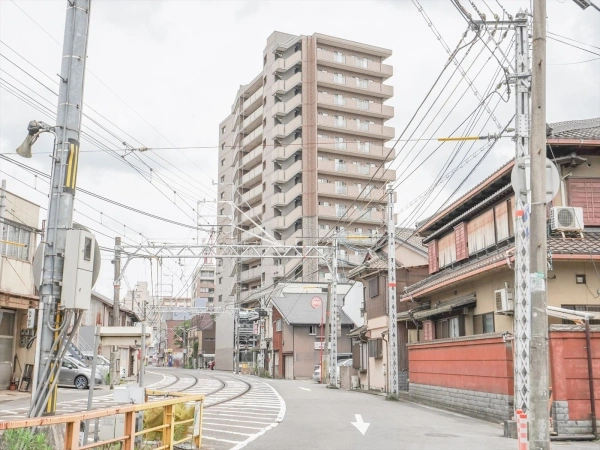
[{"x": 317, "y": 370}]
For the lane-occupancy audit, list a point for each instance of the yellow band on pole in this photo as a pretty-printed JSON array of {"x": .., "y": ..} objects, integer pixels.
[
  {"x": 462, "y": 138},
  {"x": 18, "y": 244}
]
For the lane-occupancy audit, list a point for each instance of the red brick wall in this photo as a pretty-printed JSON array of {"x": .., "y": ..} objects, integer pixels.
[
  {"x": 569, "y": 370},
  {"x": 483, "y": 365}
]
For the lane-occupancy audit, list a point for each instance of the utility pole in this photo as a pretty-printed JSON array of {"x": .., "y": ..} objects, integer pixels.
[
  {"x": 522, "y": 318},
  {"x": 114, "y": 370},
  {"x": 62, "y": 190},
  {"x": 143, "y": 349},
  {"x": 393, "y": 325},
  {"x": 236, "y": 340},
  {"x": 2, "y": 224},
  {"x": 333, "y": 316},
  {"x": 326, "y": 360},
  {"x": 539, "y": 432}
]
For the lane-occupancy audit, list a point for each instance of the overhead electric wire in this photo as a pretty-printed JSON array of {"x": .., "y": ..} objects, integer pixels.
[
  {"x": 570, "y": 39},
  {"x": 574, "y": 46}
]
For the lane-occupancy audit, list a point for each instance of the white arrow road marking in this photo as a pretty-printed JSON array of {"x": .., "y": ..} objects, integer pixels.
[
  {"x": 360, "y": 425},
  {"x": 306, "y": 389}
]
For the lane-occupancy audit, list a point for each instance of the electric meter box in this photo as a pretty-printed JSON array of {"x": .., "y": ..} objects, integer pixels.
[{"x": 78, "y": 268}]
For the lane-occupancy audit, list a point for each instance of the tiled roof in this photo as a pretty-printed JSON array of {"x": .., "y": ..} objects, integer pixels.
[
  {"x": 378, "y": 262},
  {"x": 588, "y": 129},
  {"x": 589, "y": 245},
  {"x": 409, "y": 235}
]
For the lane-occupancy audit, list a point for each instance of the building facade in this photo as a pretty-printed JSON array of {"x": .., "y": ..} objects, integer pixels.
[
  {"x": 304, "y": 139},
  {"x": 204, "y": 282},
  {"x": 19, "y": 221},
  {"x": 461, "y": 317}
]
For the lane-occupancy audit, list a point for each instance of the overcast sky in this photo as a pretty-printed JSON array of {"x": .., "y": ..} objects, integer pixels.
[{"x": 166, "y": 72}]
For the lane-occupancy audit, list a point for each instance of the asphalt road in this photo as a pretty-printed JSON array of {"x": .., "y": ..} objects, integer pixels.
[{"x": 320, "y": 418}]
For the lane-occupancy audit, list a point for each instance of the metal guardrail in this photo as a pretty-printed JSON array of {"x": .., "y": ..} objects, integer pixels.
[{"x": 128, "y": 440}]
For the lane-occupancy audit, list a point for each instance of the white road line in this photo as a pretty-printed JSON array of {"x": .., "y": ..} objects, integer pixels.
[
  {"x": 210, "y": 438},
  {"x": 236, "y": 415},
  {"x": 242, "y": 421},
  {"x": 303, "y": 388},
  {"x": 204, "y": 422},
  {"x": 225, "y": 431}
]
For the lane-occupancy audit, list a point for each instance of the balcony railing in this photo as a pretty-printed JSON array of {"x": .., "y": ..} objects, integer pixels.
[
  {"x": 340, "y": 166},
  {"x": 252, "y": 175},
  {"x": 281, "y": 130},
  {"x": 285, "y": 64},
  {"x": 254, "y": 154},
  {"x": 283, "y": 153},
  {"x": 363, "y": 65},
  {"x": 252, "y": 137},
  {"x": 350, "y": 84},
  {"x": 284, "y": 175},
  {"x": 283, "y": 86},
  {"x": 256, "y": 116},
  {"x": 252, "y": 193},
  {"x": 354, "y": 126},
  {"x": 350, "y": 104},
  {"x": 284, "y": 198},
  {"x": 341, "y": 189},
  {"x": 253, "y": 98},
  {"x": 284, "y": 222},
  {"x": 353, "y": 147},
  {"x": 283, "y": 108}
]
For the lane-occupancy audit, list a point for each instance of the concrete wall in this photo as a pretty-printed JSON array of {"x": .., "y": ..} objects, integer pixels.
[
  {"x": 571, "y": 406},
  {"x": 473, "y": 376},
  {"x": 224, "y": 341}
]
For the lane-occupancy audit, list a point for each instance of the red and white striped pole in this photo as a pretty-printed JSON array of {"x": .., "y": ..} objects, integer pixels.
[{"x": 522, "y": 430}]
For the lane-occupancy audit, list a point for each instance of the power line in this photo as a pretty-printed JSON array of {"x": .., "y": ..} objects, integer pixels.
[
  {"x": 570, "y": 39},
  {"x": 574, "y": 46}
]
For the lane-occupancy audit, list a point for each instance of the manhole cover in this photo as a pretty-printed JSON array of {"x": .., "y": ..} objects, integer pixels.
[{"x": 440, "y": 435}]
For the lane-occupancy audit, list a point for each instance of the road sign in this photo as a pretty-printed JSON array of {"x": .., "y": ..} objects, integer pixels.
[
  {"x": 521, "y": 183},
  {"x": 316, "y": 302}
]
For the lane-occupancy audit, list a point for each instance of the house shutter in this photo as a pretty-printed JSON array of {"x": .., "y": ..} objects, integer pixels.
[
  {"x": 432, "y": 250},
  {"x": 481, "y": 232},
  {"x": 585, "y": 193},
  {"x": 460, "y": 239},
  {"x": 428, "y": 330},
  {"x": 446, "y": 250}
]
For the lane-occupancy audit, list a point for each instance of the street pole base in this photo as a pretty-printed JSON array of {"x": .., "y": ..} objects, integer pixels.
[
  {"x": 392, "y": 397},
  {"x": 332, "y": 387}
]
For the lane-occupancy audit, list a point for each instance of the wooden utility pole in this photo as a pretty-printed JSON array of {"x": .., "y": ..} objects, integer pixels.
[{"x": 539, "y": 432}]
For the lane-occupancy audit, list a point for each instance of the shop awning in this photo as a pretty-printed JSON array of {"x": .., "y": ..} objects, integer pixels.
[{"x": 446, "y": 306}]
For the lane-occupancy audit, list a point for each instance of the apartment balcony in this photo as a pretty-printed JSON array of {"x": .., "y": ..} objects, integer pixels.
[
  {"x": 294, "y": 238},
  {"x": 285, "y": 198},
  {"x": 251, "y": 177},
  {"x": 355, "y": 106},
  {"x": 284, "y": 222},
  {"x": 253, "y": 139},
  {"x": 284, "y": 108},
  {"x": 252, "y": 195},
  {"x": 281, "y": 131},
  {"x": 283, "y": 86},
  {"x": 251, "y": 274},
  {"x": 350, "y": 170},
  {"x": 253, "y": 120},
  {"x": 362, "y": 149},
  {"x": 253, "y": 102},
  {"x": 251, "y": 295},
  {"x": 350, "y": 84},
  {"x": 359, "y": 65},
  {"x": 253, "y": 214},
  {"x": 355, "y": 215},
  {"x": 351, "y": 192},
  {"x": 283, "y": 153},
  {"x": 284, "y": 64},
  {"x": 284, "y": 175},
  {"x": 252, "y": 158},
  {"x": 252, "y": 235},
  {"x": 352, "y": 126}
]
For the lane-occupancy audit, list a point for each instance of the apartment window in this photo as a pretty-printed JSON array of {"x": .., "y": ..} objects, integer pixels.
[
  {"x": 220, "y": 280},
  {"x": 362, "y": 62},
  {"x": 14, "y": 233},
  {"x": 313, "y": 330},
  {"x": 338, "y": 57},
  {"x": 447, "y": 328},
  {"x": 373, "y": 287},
  {"x": 340, "y": 187},
  {"x": 223, "y": 179},
  {"x": 323, "y": 180},
  {"x": 375, "y": 348},
  {"x": 589, "y": 308},
  {"x": 364, "y": 84},
  {"x": 278, "y": 325},
  {"x": 483, "y": 323},
  {"x": 363, "y": 147},
  {"x": 340, "y": 121},
  {"x": 203, "y": 290},
  {"x": 362, "y": 104},
  {"x": 339, "y": 143},
  {"x": 324, "y": 227},
  {"x": 207, "y": 273},
  {"x": 362, "y": 125},
  {"x": 324, "y": 203},
  {"x": 220, "y": 298},
  {"x": 222, "y": 130},
  {"x": 481, "y": 232},
  {"x": 340, "y": 210},
  {"x": 363, "y": 169},
  {"x": 339, "y": 78},
  {"x": 358, "y": 230},
  {"x": 222, "y": 162},
  {"x": 339, "y": 99},
  {"x": 340, "y": 165}
]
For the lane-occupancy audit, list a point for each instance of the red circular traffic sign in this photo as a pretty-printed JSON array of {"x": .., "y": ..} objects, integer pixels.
[{"x": 315, "y": 302}]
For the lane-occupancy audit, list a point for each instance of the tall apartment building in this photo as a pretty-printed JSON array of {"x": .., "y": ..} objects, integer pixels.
[
  {"x": 302, "y": 142},
  {"x": 204, "y": 282}
]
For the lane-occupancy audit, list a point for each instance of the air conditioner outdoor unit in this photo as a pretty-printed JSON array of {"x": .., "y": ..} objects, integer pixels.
[
  {"x": 566, "y": 218},
  {"x": 504, "y": 301}
]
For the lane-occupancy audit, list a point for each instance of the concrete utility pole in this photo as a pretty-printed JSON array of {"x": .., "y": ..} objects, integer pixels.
[
  {"x": 143, "y": 349},
  {"x": 327, "y": 337},
  {"x": 62, "y": 187},
  {"x": 333, "y": 316},
  {"x": 522, "y": 318},
  {"x": 114, "y": 370},
  {"x": 539, "y": 432},
  {"x": 393, "y": 325}
]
